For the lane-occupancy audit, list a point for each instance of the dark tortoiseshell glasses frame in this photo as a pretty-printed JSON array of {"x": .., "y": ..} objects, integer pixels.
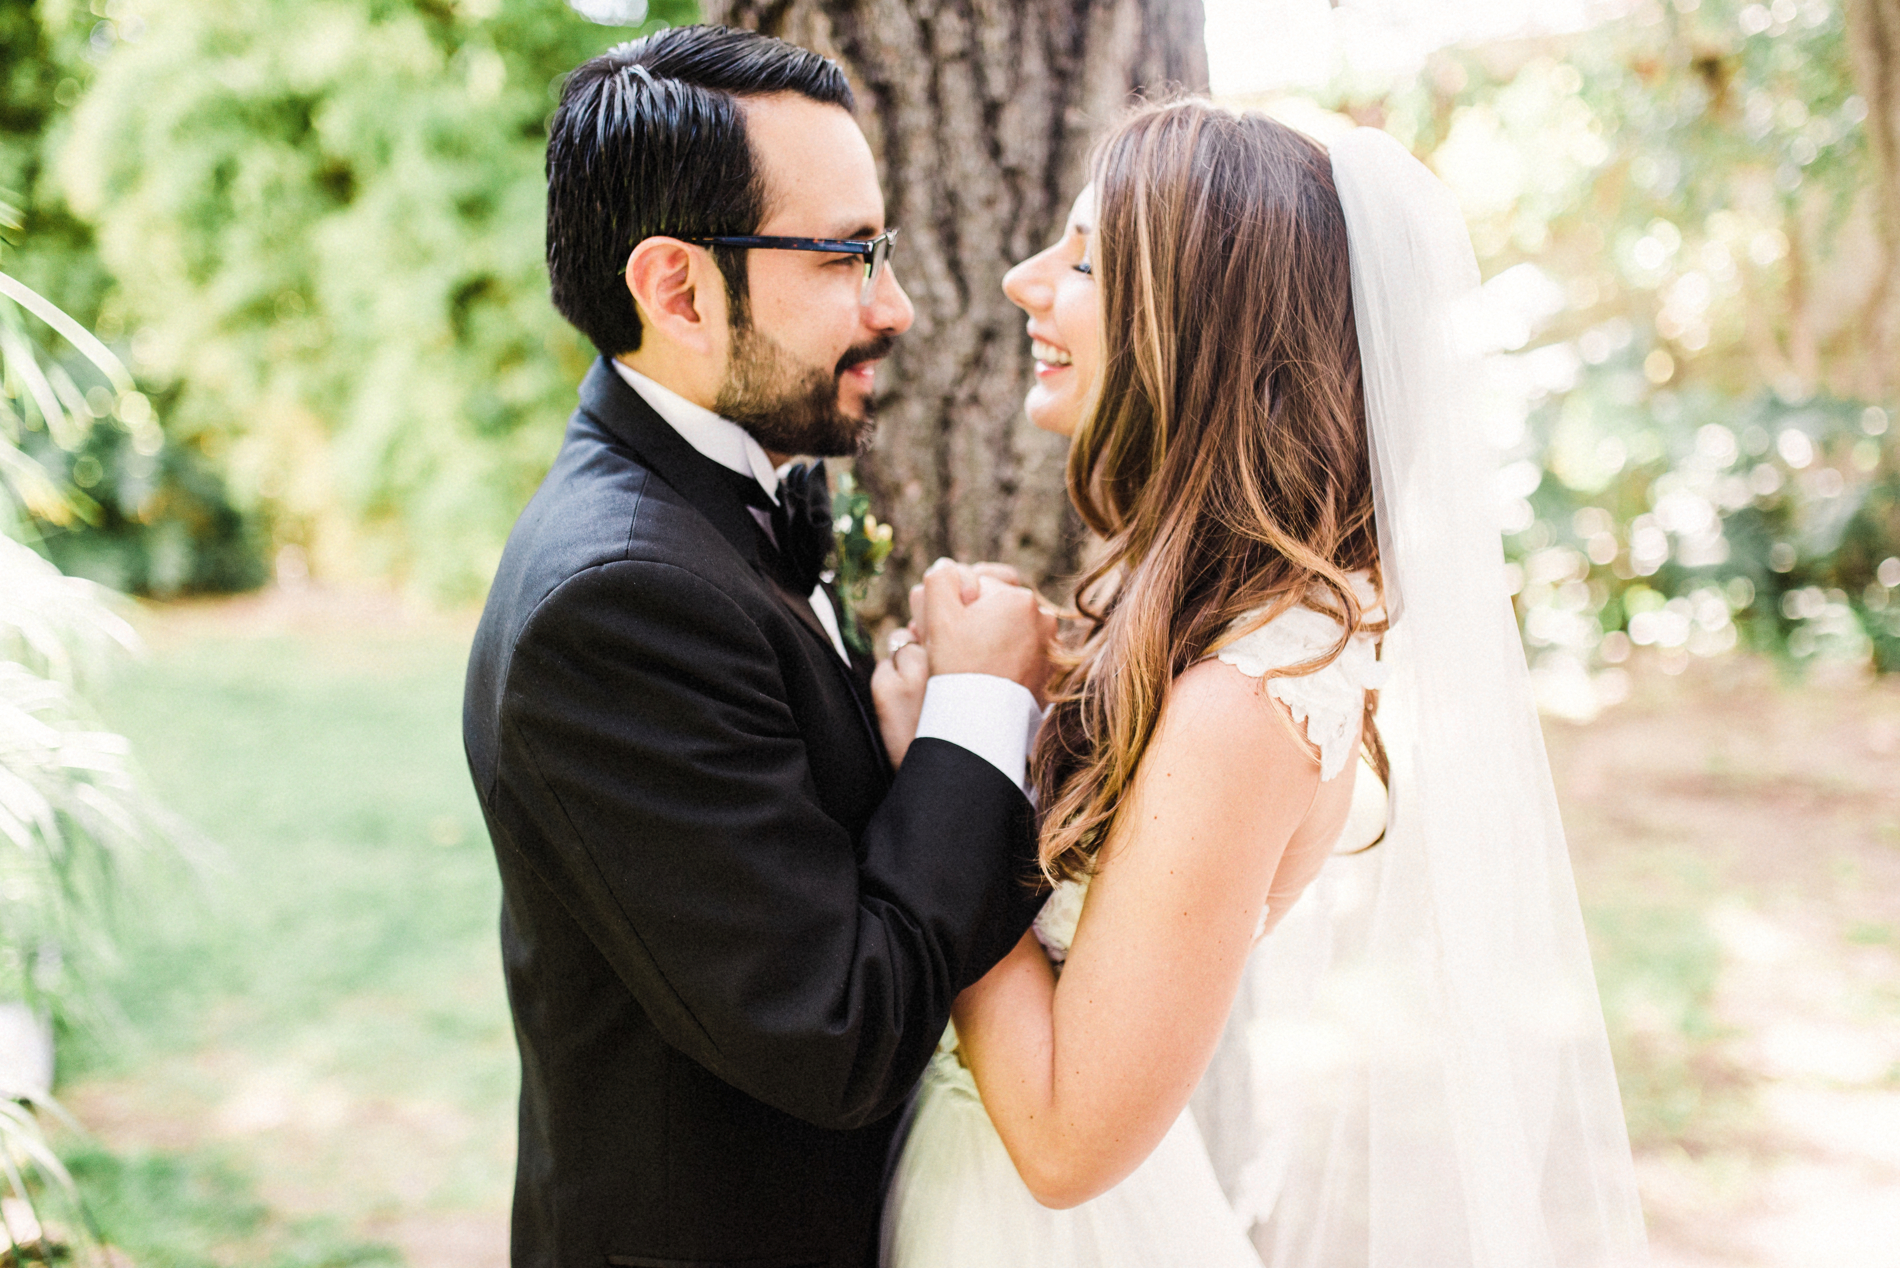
[{"x": 875, "y": 252}]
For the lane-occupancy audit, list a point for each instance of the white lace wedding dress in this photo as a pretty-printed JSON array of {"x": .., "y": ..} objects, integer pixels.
[{"x": 956, "y": 1200}]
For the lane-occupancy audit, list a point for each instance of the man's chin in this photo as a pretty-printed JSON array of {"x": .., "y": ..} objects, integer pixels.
[
  {"x": 806, "y": 423},
  {"x": 859, "y": 409},
  {"x": 859, "y": 439}
]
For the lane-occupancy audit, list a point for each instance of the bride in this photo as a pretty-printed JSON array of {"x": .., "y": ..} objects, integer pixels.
[{"x": 1253, "y": 345}]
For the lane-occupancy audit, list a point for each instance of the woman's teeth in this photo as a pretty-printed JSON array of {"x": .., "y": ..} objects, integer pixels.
[{"x": 1048, "y": 353}]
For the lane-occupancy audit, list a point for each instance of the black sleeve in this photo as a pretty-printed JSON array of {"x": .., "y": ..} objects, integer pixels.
[{"x": 810, "y": 971}]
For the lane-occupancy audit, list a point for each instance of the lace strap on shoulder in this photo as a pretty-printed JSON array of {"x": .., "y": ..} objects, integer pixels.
[{"x": 1329, "y": 702}]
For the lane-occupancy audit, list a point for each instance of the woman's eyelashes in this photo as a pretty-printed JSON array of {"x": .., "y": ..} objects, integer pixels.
[{"x": 1082, "y": 265}]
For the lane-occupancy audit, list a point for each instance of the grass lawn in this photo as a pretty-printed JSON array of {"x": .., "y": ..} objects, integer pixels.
[
  {"x": 312, "y": 1062},
  {"x": 1737, "y": 841}
]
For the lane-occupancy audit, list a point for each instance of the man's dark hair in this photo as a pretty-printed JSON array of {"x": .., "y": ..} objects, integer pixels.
[{"x": 649, "y": 139}]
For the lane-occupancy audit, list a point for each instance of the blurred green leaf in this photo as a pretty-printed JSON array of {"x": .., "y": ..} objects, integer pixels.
[
  {"x": 324, "y": 218},
  {"x": 1674, "y": 213}
]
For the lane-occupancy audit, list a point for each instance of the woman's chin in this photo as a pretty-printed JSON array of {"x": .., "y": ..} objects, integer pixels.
[{"x": 1050, "y": 412}]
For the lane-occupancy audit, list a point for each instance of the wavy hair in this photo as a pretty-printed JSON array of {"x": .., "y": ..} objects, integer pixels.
[{"x": 1223, "y": 461}]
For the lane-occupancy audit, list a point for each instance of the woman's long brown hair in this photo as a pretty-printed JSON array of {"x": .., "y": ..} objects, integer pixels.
[{"x": 1223, "y": 461}]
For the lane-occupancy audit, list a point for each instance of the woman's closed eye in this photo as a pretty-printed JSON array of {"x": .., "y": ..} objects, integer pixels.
[{"x": 1081, "y": 236}]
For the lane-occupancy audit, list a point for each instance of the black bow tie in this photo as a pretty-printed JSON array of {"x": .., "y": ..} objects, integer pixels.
[{"x": 801, "y": 523}]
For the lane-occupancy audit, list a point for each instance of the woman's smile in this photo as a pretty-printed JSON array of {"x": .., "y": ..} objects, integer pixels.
[
  {"x": 1056, "y": 288},
  {"x": 1049, "y": 358}
]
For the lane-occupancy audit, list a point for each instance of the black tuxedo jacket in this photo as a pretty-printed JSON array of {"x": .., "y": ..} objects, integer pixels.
[{"x": 731, "y": 935}]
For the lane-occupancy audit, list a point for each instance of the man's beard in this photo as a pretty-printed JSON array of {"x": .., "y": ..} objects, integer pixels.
[{"x": 793, "y": 409}]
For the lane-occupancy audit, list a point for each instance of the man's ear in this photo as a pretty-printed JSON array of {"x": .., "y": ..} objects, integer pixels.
[{"x": 680, "y": 294}]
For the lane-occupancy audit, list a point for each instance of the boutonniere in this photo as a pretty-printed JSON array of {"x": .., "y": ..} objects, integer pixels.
[{"x": 863, "y": 544}]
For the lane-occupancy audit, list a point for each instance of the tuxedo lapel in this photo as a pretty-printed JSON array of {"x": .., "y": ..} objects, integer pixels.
[
  {"x": 861, "y": 667},
  {"x": 625, "y": 415},
  {"x": 801, "y": 608},
  {"x": 856, "y": 671}
]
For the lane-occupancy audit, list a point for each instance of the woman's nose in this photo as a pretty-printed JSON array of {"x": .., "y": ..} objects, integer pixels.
[{"x": 1027, "y": 285}]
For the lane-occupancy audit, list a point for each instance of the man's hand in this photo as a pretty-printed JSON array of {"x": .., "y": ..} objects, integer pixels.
[
  {"x": 970, "y": 575},
  {"x": 897, "y": 689},
  {"x": 1003, "y": 630}
]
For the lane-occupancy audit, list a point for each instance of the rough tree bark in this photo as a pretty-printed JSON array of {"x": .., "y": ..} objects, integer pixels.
[
  {"x": 981, "y": 113},
  {"x": 1873, "y": 36}
]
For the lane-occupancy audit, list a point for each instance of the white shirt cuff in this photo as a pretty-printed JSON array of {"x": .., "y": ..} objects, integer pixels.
[{"x": 993, "y": 717}]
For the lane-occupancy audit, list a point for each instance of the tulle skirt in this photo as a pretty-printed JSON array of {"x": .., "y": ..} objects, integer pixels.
[{"x": 957, "y": 1202}]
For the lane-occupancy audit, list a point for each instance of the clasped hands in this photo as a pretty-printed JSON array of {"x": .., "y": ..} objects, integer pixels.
[{"x": 964, "y": 619}]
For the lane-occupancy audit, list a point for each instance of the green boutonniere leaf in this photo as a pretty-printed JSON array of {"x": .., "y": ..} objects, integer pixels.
[{"x": 863, "y": 546}]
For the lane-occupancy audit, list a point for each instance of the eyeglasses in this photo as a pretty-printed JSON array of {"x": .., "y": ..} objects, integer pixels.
[{"x": 875, "y": 252}]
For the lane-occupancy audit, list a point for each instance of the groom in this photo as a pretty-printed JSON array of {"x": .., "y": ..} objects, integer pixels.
[{"x": 731, "y": 933}]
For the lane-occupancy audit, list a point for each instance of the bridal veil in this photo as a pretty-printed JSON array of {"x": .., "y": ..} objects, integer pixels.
[{"x": 1416, "y": 1074}]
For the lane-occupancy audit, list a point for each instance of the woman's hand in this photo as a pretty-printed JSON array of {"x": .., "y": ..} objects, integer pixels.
[
  {"x": 897, "y": 685},
  {"x": 897, "y": 690}
]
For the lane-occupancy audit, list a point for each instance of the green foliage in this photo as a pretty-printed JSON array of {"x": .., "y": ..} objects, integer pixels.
[
  {"x": 135, "y": 515},
  {"x": 71, "y": 811},
  {"x": 156, "y": 523},
  {"x": 863, "y": 546},
  {"x": 324, "y": 218},
  {"x": 42, "y": 69},
  {"x": 88, "y": 476},
  {"x": 1674, "y": 212}
]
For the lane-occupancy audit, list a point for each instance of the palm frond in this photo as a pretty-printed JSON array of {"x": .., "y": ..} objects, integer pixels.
[{"x": 72, "y": 810}]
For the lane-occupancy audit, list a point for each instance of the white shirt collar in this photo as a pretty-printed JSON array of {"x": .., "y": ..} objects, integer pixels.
[{"x": 721, "y": 439}]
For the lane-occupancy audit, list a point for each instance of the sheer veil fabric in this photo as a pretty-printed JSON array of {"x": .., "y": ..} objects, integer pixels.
[{"x": 1416, "y": 1073}]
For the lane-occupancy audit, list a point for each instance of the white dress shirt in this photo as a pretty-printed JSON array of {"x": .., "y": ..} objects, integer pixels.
[{"x": 993, "y": 717}]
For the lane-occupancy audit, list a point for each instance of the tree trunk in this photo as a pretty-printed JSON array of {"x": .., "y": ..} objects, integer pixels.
[
  {"x": 1873, "y": 37},
  {"x": 981, "y": 114}
]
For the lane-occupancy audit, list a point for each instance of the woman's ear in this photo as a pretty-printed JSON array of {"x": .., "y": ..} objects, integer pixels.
[{"x": 680, "y": 294}]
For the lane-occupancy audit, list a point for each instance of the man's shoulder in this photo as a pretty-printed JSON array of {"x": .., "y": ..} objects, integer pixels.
[
  {"x": 601, "y": 505},
  {"x": 604, "y": 539}
]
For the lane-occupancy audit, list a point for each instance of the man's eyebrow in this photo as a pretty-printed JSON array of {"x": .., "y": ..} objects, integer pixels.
[{"x": 858, "y": 234}]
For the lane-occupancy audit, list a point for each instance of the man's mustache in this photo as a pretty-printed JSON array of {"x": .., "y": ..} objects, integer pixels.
[{"x": 876, "y": 350}]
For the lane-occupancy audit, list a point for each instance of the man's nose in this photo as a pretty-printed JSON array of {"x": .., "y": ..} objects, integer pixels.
[{"x": 890, "y": 310}]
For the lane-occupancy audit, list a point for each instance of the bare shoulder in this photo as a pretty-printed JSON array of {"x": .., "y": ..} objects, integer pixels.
[
  {"x": 1225, "y": 769},
  {"x": 1223, "y": 786},
  {"x": 1221, "y": 716}
]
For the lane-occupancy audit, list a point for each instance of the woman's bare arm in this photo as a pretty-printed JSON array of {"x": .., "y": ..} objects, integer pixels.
[{"x": 1083, "y": 1078}]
